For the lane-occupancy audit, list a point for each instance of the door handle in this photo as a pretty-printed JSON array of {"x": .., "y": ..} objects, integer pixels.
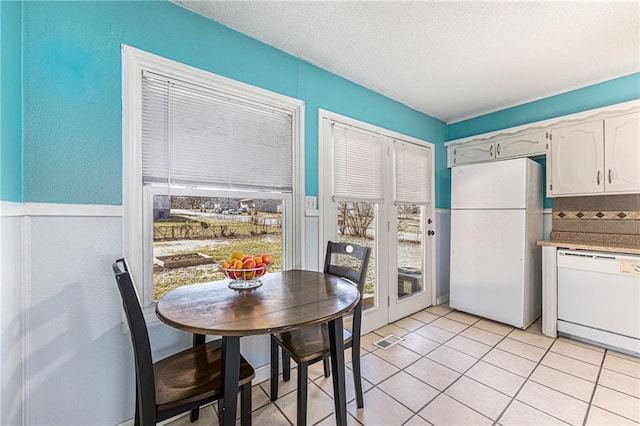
[
  {"x": 609, "y": 175},
  {"x": 498, "y": 149},
  {"x": 429, "y": 221},
  {"x": 430, "y": 232},
  {"x": 491, "y": 151},
  {"x": 598, "y": 177}
]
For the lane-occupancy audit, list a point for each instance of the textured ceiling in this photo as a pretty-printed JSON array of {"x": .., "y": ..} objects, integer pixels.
[{"x": 451, "y": 60}]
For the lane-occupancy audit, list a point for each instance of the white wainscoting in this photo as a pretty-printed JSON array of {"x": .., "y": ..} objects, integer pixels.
[
  {"x": 443, "y": 249},
  {"x": 11, "y": 325},
  {"x": 78, "y": 362},
  {"x": 66, "y": 356}
]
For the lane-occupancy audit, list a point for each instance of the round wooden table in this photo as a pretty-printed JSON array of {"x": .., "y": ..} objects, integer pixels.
[{"x": 286, "y": 300}]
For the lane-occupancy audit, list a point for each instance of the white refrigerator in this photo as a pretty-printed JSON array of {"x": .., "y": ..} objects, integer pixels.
[{"x": 496, "y": 221}]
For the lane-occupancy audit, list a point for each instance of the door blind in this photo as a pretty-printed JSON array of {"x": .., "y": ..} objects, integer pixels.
[
  {"x": 357, "y": 165},
  {"x": 198, "y": 137},
  {"x": 413, "y": 173}
]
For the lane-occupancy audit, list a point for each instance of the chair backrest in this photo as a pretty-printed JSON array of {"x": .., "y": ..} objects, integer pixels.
[
  {"x": 353, "y": 265},
  {"x": 145, "y": 381}
]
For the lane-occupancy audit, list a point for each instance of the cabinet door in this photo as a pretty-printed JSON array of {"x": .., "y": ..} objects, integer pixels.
[
  {"x": 473, "y": 153},
  {"x": 622, "y": 153},
  {"x": 577, "y": 159},
  {"x": 522, "y": 146}
]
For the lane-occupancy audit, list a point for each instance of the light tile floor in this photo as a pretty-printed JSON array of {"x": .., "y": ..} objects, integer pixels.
[{"x": 457, "y": 369}]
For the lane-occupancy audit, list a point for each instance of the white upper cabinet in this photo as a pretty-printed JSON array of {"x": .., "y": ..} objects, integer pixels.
[
  {"x": 622, "y": 153},
  {"x": 587, "y": 153},
  {"x": 577, "y": 159},
  {"x": 528, "y": 145},
  {"x": 597, "y": 157},
  {"x": 522, "y": 146},
  {"x": 474, "y": 153}
]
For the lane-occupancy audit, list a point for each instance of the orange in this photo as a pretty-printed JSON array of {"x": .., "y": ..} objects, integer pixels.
[{"x": 236, "y": 255}]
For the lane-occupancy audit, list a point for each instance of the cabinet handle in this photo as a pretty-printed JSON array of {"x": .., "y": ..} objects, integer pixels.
[
  {"x": 598, "y": 177},
  {"x": 491, "y": 151},
  {"x": 498, "y": 149},
  {"x": 609, "y": 175}
]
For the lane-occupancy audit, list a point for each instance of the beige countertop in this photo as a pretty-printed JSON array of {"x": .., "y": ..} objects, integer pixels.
[{"x": 592, "y": 245}]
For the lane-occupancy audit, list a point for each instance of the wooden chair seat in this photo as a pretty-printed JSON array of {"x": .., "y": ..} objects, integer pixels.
[
  {"x": 308, "y": 344},
  {"x": 193, "y": 375}
]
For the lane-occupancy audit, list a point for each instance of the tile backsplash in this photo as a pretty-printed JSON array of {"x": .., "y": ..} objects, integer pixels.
[{"x": 604, "y": 214}]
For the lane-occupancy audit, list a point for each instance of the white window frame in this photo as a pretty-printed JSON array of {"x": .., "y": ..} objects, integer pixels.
[{"x": 135, "y": 235}]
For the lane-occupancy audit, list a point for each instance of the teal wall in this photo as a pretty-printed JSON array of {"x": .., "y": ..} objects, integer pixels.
[
  {"x": 610, "y": 92},
  {"x": 72, "y": 91},
  {"x": 11, "y": 102},
  {"x": 65, "y": 144}
]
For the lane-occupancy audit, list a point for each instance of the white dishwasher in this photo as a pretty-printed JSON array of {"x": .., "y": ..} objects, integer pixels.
[{"x": 599, "y": 298}]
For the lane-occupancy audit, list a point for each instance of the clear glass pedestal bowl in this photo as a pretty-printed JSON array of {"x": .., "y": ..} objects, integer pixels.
[{"x": 244, "y": 279}]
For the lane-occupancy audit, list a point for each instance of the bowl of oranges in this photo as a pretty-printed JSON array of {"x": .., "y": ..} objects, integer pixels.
[{"x": 245, "y": 271}]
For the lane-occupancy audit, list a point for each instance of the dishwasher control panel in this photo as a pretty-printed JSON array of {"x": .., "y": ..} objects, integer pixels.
[
  {"x": 630, "y": 268},
  {"x": 608, "y": 263}
]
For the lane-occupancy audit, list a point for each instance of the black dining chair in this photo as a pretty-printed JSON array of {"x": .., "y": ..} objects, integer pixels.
[
  {"x": 309, "y": 345},
  {"x": 182, "y": 382}
]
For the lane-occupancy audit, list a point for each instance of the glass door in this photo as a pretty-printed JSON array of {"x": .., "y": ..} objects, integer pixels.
[
  {"x": 376, "y": 190},
  {"x": 411, "y": 268},
  {"x": 357, "y": 223}
]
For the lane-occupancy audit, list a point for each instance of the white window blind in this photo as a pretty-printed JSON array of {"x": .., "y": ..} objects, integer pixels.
[
  {"x": 196, "y": 136},
  {"x": 357, "y": 165},
  {"x": 413, "y": 173}
]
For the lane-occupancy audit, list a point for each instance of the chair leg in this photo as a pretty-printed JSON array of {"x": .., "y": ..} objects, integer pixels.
[
  {"x": 327, "y": 367},
  {"x": 286, "y": 367},
  {"x": 302, "y": 394},
  {"x": 198, "y": 339},
  {"x": 195, "y": 414},
  {"x": 357, "y": 377},
  {"x": 274, "y": 370},
  {"x": 136, "y": 420},
  {"x": 245, "y": 405}
]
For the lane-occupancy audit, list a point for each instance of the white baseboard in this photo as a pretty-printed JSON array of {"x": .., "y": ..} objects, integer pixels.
[{"x": 442, "y": 299}]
